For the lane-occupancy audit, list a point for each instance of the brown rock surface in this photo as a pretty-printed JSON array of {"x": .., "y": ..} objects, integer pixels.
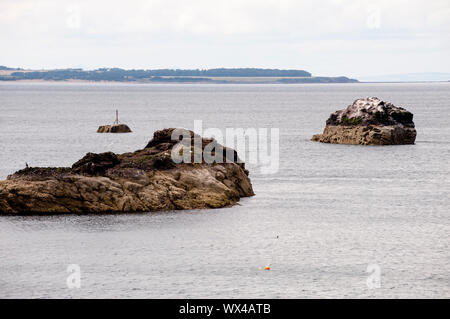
[
  {"x": 115, "y": 128},
  {"x": 144, "y": 180},
  {"x": 369, "y": 122}
]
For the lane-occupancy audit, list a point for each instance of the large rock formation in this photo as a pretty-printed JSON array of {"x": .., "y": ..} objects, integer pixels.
[
  {"x": 369, "y": 122},
  {"x": 141, "y": 181},
  {"x": 115, "y": 128}
]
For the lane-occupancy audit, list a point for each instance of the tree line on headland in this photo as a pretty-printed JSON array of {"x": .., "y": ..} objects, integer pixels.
[{"x": 169, "y": 75}]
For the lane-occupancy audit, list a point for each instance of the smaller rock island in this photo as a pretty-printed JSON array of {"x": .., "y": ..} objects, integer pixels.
[
  {"x": 114, "y": 128},
  {"x": 369, "y": 121}
]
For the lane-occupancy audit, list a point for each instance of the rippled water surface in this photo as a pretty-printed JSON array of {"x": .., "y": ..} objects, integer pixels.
[{"x": 335, "y": 208}]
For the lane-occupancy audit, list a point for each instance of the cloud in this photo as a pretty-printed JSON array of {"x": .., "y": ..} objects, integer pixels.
[{"x": 89, "y": 33}]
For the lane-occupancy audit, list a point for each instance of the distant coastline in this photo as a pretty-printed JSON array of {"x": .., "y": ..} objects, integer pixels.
[{"x": 221, "y": 76}]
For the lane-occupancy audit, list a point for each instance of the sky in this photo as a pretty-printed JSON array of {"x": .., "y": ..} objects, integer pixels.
[{"x": 325, "y": 37}]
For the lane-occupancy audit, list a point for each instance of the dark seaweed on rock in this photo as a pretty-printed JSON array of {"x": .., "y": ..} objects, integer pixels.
[
  {"x": 371, "y": 111},
  {"x": 95, "y": 164},
  {"x": 39, "y": 173}
]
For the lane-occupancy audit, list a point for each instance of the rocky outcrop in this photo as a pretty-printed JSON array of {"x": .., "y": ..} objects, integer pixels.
[
  {"x": 115, "y": 128},
  {"x": 141, "y": 181},
  {"x": 369, "y": 121}
]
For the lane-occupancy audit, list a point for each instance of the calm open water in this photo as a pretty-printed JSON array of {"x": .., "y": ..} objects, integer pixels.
[{"x": 335, "y": 208}]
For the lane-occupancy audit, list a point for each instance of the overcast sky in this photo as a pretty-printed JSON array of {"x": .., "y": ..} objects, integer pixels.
[{"x": 326, "y": 37}]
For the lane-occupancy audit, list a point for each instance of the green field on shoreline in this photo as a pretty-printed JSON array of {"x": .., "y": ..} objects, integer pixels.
[{"x": 222, "y": 75}]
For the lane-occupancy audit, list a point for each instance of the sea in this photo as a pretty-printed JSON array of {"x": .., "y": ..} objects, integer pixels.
[{"x": 333, "y": 221}]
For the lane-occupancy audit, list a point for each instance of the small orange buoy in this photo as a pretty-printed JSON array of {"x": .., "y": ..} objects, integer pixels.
[{"x": 267, "y": 268}]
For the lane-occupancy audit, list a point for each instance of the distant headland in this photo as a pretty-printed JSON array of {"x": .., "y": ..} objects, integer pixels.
[{"x": 220, "y": 75}]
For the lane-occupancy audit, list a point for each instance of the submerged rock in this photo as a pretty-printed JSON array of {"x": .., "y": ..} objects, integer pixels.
[
  {"x": 141, "y": 181},
  {"x": 115, "y": 128},
  {"x": 369, "y": 121}
]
